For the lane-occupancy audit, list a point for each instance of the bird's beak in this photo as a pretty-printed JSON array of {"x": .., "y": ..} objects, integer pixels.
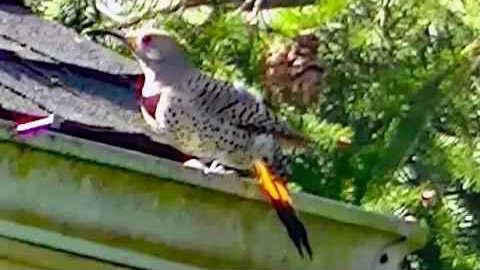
[{"x": 130, "y": 42}]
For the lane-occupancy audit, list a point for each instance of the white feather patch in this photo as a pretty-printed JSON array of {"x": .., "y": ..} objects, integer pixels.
[{"x": 149, "y": 88}]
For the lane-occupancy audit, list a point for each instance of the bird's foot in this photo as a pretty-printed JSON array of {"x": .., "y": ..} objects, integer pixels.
[
  {"x": 215, "y": 167},
  {"x": 195, "y": 164}
]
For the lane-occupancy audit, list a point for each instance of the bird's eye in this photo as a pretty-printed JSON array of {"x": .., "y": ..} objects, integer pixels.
[{"x": 147, "y": 39}]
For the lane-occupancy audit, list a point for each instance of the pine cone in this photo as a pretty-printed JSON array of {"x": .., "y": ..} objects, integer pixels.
[{"x": 293, "y": 74}]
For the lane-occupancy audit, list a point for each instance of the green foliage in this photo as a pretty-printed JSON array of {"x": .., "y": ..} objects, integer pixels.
[
  {"x": 227, "y": 47},
  {"x": 402, "y": 110},
  {"x": 73, "y": 13},
  {"x": 295, "y": 20}
]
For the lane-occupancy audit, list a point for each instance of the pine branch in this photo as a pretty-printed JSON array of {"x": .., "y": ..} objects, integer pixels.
[{"x": 412, "y": 125}]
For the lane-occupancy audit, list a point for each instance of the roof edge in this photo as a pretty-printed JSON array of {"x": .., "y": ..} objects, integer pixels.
[{"x": 63, "y": 144}]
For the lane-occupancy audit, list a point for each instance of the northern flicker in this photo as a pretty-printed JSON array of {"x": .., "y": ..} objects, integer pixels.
[{"x": 211, "y": 119}]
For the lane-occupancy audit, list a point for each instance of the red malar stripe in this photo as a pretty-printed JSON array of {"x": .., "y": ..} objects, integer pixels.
[{"x": 150, "y": 104}]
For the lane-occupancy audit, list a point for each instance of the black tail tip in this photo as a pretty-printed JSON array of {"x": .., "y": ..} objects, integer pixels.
[
  {"x": 302, "y": 245},
  {"x": 296, "y": 231}
]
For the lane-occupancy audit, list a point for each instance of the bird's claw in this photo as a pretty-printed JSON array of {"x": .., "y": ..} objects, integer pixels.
[
  {"x": 195, "y": 164},
  {"x": 215, "y": 168}
]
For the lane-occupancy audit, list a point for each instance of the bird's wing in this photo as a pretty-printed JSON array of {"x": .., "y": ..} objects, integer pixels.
[{"x": 238, "y": 107}]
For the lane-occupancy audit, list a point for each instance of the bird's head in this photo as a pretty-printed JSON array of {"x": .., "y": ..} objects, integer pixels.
[
  {"x": 158, "y": 54},
  {"x": 151, "y": 46}
]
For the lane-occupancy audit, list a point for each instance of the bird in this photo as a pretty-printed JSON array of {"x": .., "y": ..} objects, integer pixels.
[{"x": 211, "y": 119}]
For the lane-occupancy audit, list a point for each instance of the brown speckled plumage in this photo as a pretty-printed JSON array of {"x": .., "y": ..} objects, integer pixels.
[{"x": 209, "y": 118}]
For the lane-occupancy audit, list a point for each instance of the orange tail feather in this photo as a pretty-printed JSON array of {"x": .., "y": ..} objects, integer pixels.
[{"x": 277, "y": 192}]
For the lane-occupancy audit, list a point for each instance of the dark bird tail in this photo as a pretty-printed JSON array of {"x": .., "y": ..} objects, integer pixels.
[
  {"x": 296, "y": 230},
  {"x": 275, "y": 189}
]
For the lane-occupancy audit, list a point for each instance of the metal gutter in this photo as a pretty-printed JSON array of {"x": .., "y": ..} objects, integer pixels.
[{"x": 309, "y": 205}]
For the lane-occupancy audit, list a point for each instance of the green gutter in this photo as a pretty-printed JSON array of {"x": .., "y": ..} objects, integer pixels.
[{"x": 86, "y": 176}]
